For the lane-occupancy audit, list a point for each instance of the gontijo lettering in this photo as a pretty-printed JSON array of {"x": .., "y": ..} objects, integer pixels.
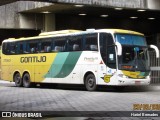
[{"x": 33, "y": 59}]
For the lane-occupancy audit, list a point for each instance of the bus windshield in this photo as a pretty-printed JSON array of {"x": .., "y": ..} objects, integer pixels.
[{"x": 134, "y": 52}]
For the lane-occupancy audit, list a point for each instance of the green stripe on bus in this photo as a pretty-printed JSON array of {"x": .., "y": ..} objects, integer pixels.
[
  {"x": 63, "y": 64},
  {"x": 57, "y": 65},
  {"x": 69, "y": 64}
]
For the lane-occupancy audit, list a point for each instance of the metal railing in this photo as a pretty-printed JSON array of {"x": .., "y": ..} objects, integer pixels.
[{"x": 155, "y": 68}]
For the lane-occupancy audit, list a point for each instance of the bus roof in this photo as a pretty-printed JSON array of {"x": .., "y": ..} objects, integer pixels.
[
  {"x": 46, "y": 34},
  {"x": 121, "y": 31},
  {"x": 70, "y": 32},
  {"x": 58, "y": 32}
]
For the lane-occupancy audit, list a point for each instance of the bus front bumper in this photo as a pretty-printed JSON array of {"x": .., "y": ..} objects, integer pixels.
[{"x": 129, "y": 81}]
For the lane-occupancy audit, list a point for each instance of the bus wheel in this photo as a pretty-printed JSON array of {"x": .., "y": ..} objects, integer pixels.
[
  {"x": 90, "y": 82},
  {"x": 18, "y": 80},
  {"x": 26, "y": 80}
]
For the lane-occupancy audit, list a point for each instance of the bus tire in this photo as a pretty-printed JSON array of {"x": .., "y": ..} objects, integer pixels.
[
  {"x": 26, "y": 80},
  {"x": 90, "y": 82},
  {"x": 18, "y": 80}
]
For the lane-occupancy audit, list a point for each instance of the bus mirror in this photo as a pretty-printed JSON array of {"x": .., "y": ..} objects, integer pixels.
[
  {"x": 119, "y": 48},
  {"x": 156, "y": 49}
]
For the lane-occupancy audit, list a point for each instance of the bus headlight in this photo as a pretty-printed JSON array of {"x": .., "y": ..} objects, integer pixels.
[{"x": 122, "y": 76}]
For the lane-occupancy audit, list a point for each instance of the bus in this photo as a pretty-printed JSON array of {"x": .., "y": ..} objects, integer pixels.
[{"x": 111, "y": 57}]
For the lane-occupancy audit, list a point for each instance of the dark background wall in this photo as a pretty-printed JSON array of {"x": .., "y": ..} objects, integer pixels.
[
  {"x": 148, "y": 27},
  {"x": 17, "y": 33},
  {"x": 85, "y": 22}
]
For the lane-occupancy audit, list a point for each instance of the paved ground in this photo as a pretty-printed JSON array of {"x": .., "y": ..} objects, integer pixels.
[{"x": 71, "y": 98}]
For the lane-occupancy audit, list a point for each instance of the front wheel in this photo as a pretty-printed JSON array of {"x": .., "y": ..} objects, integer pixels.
[
  {"x": 90, "y": 82},
  {"x": 18, "y": 80},
  {"x": 26, "y": 80}
]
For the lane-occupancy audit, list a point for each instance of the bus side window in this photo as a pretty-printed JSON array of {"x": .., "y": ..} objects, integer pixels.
[
  {"x": 19, "y": 47},
  {"x": 32, "y": 47},
  {"x": 25, "y": 47},
  {"x": 12, "y": 48},
  {"x": 6, "y": 48},
  {"x": 75, "y": 43},
  {"x": 59, "y": 45},
  {"x": 58, "y": 48},
  {"x": 46, "y": 46},
  {"x": 91, "y": 43}
]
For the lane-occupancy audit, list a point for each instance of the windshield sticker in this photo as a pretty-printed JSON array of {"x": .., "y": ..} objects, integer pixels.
[
  {"x": 110, "y": 71},
  {"x": 111, "y": 57}
]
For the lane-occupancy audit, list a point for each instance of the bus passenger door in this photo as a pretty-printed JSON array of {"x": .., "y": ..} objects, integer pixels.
[{"x": 111, "y": 57}]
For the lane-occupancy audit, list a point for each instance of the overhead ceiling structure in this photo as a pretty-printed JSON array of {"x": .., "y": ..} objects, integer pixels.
[
  {"x": 3, "y": 2},
  {"x": 89, "y": 10},
  {"x": 92, "y": 10},
  {"x": 97, "y": 11}
]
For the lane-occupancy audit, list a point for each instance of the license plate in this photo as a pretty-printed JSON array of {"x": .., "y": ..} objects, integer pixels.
[{"x": 137, "y": 82}]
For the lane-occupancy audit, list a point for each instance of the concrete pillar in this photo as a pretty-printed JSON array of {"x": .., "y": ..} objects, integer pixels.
[
  {"x": 153, "y": 4},
  {"x": 31, "y": 21},
  {"x": 49, "y": 22}
]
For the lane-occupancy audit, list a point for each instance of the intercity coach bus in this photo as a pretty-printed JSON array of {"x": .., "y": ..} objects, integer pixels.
[{"x": 111, "y": 57}]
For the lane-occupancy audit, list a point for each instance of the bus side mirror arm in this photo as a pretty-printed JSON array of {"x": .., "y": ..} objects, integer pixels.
[
  {"x": 119, "y": 48},
  {"x": 156, "y": 49}
]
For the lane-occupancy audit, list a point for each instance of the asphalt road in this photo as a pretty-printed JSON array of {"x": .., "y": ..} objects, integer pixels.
[{"x": 73, "y": 99}]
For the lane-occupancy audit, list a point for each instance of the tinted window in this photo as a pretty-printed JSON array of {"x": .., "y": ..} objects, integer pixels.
[
  {"x": 107, "y": 49},
  {"x": 13, "y": 48},
  {"x": 59, "y": 45},
  {"x": 55, "y": 44},
  {"x": 5, "y": 48},
  {"x": 32, "y": 47},
  {"x": 75, "y": 43},
  {"x": 45, "y": 45},
  {"x": 91, "y": 42},
  {"x": 19, "y": 47}
]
